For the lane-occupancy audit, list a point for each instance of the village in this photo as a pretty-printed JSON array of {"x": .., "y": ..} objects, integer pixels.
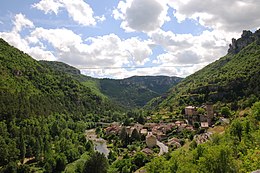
[{"x": 170, "y": 134}]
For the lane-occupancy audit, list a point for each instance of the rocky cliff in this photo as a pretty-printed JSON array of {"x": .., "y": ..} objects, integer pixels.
[{"x": 247, "y": 38}]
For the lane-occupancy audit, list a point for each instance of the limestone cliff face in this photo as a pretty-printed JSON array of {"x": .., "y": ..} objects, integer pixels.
[{"x": 247, "y": 38}]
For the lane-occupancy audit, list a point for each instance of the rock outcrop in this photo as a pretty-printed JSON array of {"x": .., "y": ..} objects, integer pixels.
[{"x": 247, "y": 38}]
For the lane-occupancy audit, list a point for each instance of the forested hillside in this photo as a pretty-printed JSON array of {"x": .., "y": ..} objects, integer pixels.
[
  {"x": 133, "y": 92},
  {"x": 136, "y": 91},
  {"x": 43, "y": 114},
  {"x": 233, "y": 79}
]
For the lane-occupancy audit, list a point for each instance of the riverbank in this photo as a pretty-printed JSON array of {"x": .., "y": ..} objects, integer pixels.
[{"x": 100, "y": 144}]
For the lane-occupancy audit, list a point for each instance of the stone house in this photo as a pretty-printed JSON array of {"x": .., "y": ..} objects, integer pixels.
[
  {"x": 150, "y": 140},
  {"x": 190, "y": 110}
]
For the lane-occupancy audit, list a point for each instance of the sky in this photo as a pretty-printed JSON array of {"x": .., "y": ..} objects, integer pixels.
[{"x": 118, "y": 39}]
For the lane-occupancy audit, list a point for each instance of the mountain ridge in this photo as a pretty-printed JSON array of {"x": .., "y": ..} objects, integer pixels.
[{"x": 131, "y": 92}]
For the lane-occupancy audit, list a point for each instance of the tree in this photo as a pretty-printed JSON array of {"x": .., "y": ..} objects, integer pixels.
[
  {"x": 127, "y": 121},
  {"x": 135, "y": 135},
  {"x": 158, "y": 165},
  {"x": 256, "y": 111},
  {"x": 236, "y": 129},
  {"x": 97, "y": 163},
  {"x": 217, "y": 159},
  {"x": 196, "y": 125},
  {"x": 61, "y": 162},
  {"x": 124, "y": 136},
  {"x": 201, "y": 111},
  {"x": 139, "y": 159},
  {"x": 3, "y": 152},
  {"x": 225, "y": 111},
  {"x": 140, "y": 119}
]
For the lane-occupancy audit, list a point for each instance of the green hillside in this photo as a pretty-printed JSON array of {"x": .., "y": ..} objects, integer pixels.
[
  {"x": 73, "y": 72},
  {"x": 233, "y": 79},
  {"x": 138, "y": 90},
  {"x": 133, "y": 92},
  {"x": 43, "y": 114},
  {"x": 22, "y": 76}
]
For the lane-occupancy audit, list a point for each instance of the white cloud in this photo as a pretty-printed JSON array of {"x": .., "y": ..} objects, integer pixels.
[
  {"x": 48, "y": 6},
  {"x": 40, "y": 54},
  {"x": 182, "y": 54},
  {"x": 78, "y": 10},
  {"x": 102, "y": 51},
  {"x": 14, "y": 38},
  {"x": 21, "y": 22},
  {"x": 141, "y": 15},
  {"x": 231, "y": 15},
  {"x": 190, "y": 52},
  {"x": 100, "y": 18},
  {"x": 61, "y": 39},
  {"x": 189, "y": 49}
]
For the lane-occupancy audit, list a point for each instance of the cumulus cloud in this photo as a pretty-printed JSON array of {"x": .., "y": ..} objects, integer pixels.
[
  {"x": 149, "y": 15},
  {"x": 20, "y": 22},
  {"x": 232, "y": 15},
  {"x": 14, "y": 37},
  {"x": 102, "y": 51},
  {"x": 78, "y": 10},
  {"x": 189, "y": 49},
  {"x": 190, "y": 52},
  {"x": 69, "y": 47},
  {"x": 182, "y": 54},
  {"x": 48, "y": 6},
  {"x": 141, "y": 15}
]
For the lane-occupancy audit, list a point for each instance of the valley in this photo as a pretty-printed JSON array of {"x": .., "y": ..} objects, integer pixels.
[{"x": 55, "y": 119}]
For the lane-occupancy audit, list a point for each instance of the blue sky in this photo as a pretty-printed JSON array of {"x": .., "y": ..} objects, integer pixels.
[{"x": 102, "y": 38}]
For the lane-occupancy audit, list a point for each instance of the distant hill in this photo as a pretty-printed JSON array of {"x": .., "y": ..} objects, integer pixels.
[
  {"x": 133, "y": 92},
  {"x": 136, "y": 91},
  {"x": 233, "y": 79}
]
